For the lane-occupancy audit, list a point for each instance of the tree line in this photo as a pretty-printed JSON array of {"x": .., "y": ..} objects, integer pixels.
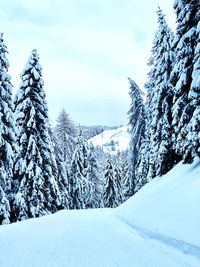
[
  {"x": 166, "y": 126},
  {"x": 45, "y": 169}
]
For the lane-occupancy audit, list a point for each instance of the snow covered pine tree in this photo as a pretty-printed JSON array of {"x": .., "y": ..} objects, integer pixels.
[
  {"x": 79, "y": 187},
  {"x": 94, "y": 179},
  {"x": 162, "y": 155},
  {"x": 7, "y": 137},
  {"x": 184, "y": 78},
  {"x": 61, "y": 173},
  {"x": 137, "y": 116},
  {"x": 110, "y": 189},
  {"x": 192, "y": 144},
  {"x": 66, "y": 134},
  {"x": 36, "y": 191},
  {"x": 127, "y": 184}
]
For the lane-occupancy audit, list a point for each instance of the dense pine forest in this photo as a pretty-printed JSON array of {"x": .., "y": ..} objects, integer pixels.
[{"x": 44, "y": 169}]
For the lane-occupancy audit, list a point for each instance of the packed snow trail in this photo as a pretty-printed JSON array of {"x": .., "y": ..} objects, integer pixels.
[
  {"x": 83, "y": 238},
  {"x": 157, "y": 227},
  {"x": 168, "y": 207},
  {"x": 186, "y": 248}
]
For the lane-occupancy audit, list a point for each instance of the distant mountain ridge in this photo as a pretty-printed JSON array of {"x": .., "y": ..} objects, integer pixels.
[
  {"x": 91, "y": 131},
  {"x": 113, "y": 140}
]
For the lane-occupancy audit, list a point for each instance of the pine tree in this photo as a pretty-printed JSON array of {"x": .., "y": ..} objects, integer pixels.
[
  {"x": 137, "y": 116},
  {"x": 143, "y": 163},
  {"x": 162, "y": 155},
  {"x": 94, "y": 179},
  {"x": 192, "y": 142},
  {"x": 7, "y": 134},
  {"x": 185, "y": 42},
  {"x": 35, "y": 187},
  {"x": 79, "y": 186},
  {"x": 60, "y": 171},
  {"x": 4, "y": 208},
  {"x": 127, "y": 182},
  {"x": 118, "y": 181},
  {"x": 109, "y": 188},
  {"x": 66, "y": 133}
]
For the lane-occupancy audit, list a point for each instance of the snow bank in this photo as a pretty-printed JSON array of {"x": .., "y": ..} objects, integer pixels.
[
  {"x": 168, "y": 206},
  {"x": 112, "y": 141}
]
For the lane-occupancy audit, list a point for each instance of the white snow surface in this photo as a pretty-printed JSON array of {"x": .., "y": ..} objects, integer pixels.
[
  {"x": 120, "y": 137},
  {"x": 169, "y": 205},
  {"x": 157, "y": 227}
]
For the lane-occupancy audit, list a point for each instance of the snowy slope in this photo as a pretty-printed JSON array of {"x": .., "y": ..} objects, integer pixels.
[
  {"x": 159, "y": 226},
  {"x": 112, "y": 140},
  {"x": 168, "y": 206}
]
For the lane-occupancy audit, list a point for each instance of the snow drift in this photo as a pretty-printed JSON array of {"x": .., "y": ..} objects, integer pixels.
[{"x": 159, "y": 226}]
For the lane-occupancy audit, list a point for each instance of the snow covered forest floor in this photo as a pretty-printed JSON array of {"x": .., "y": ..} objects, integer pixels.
[{"x": 158, "y": 226}]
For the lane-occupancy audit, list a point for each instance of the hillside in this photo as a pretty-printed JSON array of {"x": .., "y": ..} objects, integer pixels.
[
  {"x": 168, "y": 208},
  {"x": 112, "y": 141},
  {"x": 158, "y": 226}
]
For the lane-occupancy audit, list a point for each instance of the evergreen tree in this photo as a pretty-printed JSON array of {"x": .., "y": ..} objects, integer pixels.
[
  {"x": 35, "y": 188},
  {"x": 59, "y": 170},
  {"x": 137, "y": 116},
  {"x": 127, "y": 183},
  {"x": 94, "y": 179},
  {"x": 162, "y": 155},
  {"x": 192, "y": 142},
  {"x": 4, "y": 208},
  {"x": 7, "y": 134},
  {"x": 79, "y": 186},
  {"x": 143, "y": 161},
  {"x": 185, "y": 42},
  {"x": 118, "y": 181},
  {"x": 66, "y": 133},
  {"x": 109, "y": 190}
]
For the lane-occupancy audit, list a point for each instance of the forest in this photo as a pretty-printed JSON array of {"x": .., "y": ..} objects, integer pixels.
[{"x": 44, "y": 169}]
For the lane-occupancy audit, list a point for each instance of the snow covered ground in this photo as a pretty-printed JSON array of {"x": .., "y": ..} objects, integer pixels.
[
  {"x": 159, "y": 226},
  {"x": 112, "y": 140},
  {"x": 168, "y": 206}
]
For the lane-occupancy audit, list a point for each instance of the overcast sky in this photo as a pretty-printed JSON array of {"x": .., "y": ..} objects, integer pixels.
[{"x": 87, "y": 50}]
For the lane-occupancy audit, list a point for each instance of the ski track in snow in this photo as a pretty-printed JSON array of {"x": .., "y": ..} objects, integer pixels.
[
  {"x": 184, "y": 247},
  {"x": 157, "y": 227},
  {"x": 85, "y": 238}
]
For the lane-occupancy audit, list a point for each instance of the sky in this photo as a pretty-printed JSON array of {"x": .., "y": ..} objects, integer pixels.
[{"x": 87, "y": 50}]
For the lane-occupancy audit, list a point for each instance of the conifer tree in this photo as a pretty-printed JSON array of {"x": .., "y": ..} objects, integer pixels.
[
  {"x": 141, "y": 171},
  {"x": 185, "y": 43},
  {"x": 59, "y": 170},
  {"x": 127, "y": 183},
  {"x": 4, "y": 208},
  {"x": 94, "y": 179},
  {"x": 109, "y": 187},
  {"x": 79, "y": 186},
  {"x": 162, "y": 155},
  {"x": 7, "y": 134},
  {"x": 66, "y": 134},
  {"x": 192, "y": 142},
  {"x": 36, "y": 191},
  {"x": 118, "y": 182},
  {"x": 137, "y": 116}
]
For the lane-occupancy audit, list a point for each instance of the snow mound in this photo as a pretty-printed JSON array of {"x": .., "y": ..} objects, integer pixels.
[
  {"x": 112, "y": 141},
  {"x": 168, "y": 207}
]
